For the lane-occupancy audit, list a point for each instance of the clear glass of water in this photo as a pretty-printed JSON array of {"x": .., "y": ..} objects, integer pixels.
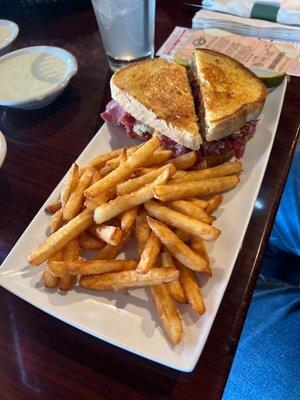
[{"x": 127, "y": 29}]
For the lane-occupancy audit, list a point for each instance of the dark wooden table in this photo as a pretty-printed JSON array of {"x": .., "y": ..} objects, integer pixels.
[{"x": 41, "y": 357}]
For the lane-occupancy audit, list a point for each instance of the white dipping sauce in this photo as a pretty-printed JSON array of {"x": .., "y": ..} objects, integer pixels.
[
  {"x": 29, "y": 75},
  {"x": 4, "y": 32}
]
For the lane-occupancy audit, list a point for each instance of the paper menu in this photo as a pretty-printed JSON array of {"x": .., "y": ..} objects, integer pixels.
[{"x": 252, "y": 52}]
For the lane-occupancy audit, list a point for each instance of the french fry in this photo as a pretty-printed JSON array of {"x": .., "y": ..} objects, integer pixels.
[
  {"x": 179, "y": 174},
  {"x": 214, "y": 203},
  {"x": 142, "y": 230},
  {"x": 128, "y": 279},
  {"x": 168, "y": 313},
  {"x": 96, "y": 176},
  {"x": 94, "y": 267},
  {"x": 97, "y": 201},
  {"x": 108, "y": 252},
  {"x": 229, "y": 168},
  {"x": 124, "y": 170},
  {"x": 137, "y": 183},
  {"x": 190, "y": 209},
  {"x": 121, "y": 204},
  {"x": 181, "y": 221},
  {"x": 189, "y": 282},
  {"x": 128, "y": 218},
  {"x": 185, "y": 161},
  {"x": 149, "y": 254},
  {"x": 76, "y": 199},
  {"x": 179, "y": 249},
  {"x": 69, "y": 184},
  {"x": 56, "y": 221},
  {"x": 100, "y": 161},
  {"x": 53, "y": 207},
  {"x": 198, "y": 245},
  {"x": 183, "y": 235},
  {"x": 198, "y": 188},
  {"x": 158, "y": 157},
  {"x": 175, "y": 288},
  {"x": 49, "y": 280},
  {"x": 199, "y": 202},
  {"x": 70, "y": 253},
  {"x": 109, "y": 234},
  {"x": 60, "y": 238},
  {"x": 113, "y": 163},
  {"x": 89, "y": 242}
]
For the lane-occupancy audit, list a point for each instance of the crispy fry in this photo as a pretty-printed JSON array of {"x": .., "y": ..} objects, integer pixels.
[
  {"x": 179, "y": 249},
  {"x": 198, "y": 245},
  {"x": 128, "y": 218},
  {"x": 94, "y": 267},
  {"x": 175, "y": 288},
  {"x": 108, "y": 252},
  {"x": 97, "y": 201},
  {"x": 123, "y": 203},
  {"x": 70, "y": 253},
  {"x": 109, "y": 234},
  {"x": 158, "y": 157},
  {"x": 199, "y": 202},
  {"x": 185, "y": 161},
  {"x": 189, "y": 282},
  {"x": 96, "y": 176},
  {"x": 100, "y": 161},
  {"x": 76, "y": 199},
  {"x": 168, "y": 313},
  {"x": 190, "y": 209},
  {"x": 179, "y": 174},
  {"x": 69, "y": 184},
  {"x": 49, "y": 280},
  {"x": 56, "y": 221},
  {"x": 89, "y": 242},
  {"x": 60, "y": 238},
  {"x": 198, "y": 188},
  {"x": 229, "y": 168},
  {"x": 125, "y": 169},
  {"x": 113, "y": 163},
  {"x": 128, "y": 279},
  {"x": 53, "y": 207},
  {"x": 149, "y": 254},
  {"x": 134, "y": 184},
  {"x": 214, "y": 203},
  {"x": 142, "y": 230},
  {"x": 183, "y": 235},
  {"x": 181, "y": 221}
]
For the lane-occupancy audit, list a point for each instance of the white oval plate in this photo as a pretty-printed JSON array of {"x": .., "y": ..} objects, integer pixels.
[
  {"x": 46, "y": 96},
  {"x": 3, "y": 148},
  {"x": 9, "y": 37}
]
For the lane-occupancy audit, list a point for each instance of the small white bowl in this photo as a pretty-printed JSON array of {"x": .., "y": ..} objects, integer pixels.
[
  {"x": 11, "y": 33},
  {"x": 48, "y": 95},
  {"x": 3, "y": 148}
]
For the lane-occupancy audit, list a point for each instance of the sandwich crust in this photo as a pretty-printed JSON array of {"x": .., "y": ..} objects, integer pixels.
[
  {"x": 230, "y": 95},
  {"x": 157, "y": 93}
]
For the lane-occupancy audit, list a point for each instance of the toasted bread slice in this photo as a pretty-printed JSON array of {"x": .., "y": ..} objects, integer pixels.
[
  {"x": 157, "y": 93},
  {"x": 229, "y": 94}
]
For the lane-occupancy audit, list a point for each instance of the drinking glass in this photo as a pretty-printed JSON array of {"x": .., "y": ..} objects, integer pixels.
[{"x": 127, "y": 29}]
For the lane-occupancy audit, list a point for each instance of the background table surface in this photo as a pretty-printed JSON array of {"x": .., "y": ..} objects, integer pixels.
[{"x": 41, "y": 357}]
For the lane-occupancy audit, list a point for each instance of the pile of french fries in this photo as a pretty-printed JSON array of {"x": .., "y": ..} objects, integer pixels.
[{"x": 166, "y": 203}]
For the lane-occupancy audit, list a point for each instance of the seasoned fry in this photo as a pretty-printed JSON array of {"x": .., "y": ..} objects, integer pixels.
[
  {"x": 76, "y": 199},
  {"x": 175, "y": 288},
  {"x": 199, "y": 202},
  {"x": 128, "y": 218},
  {"x": 137, "y": 183},
  {"x": 60, "y": 238},
  {"x": 53, "y": 207},
  {"x": 214, "y": 203},
  {"x": 149, "y": 254},
  {"x": 158, "y": 157},
  {"x": 198, "y": 245},
  {"x": 56, "y": 221},
  {"x": 89, "y": 242},
  {"x": 109, "y": 234},
  {"x": 100, "y": 161},
  {"x": 179, "y": 174},
  {"x": 183, "y": 235},
  {"x": 168, "y": 313},
  {"x": 185, "y": 161},
  {"x": 181, "y": 221},
  {"x": 124, "y": 170},
  {"x": 49, "y": 280},
  {"x": 94, "y": 267},
  {"x": 189, "y": 282},
  {"x": 128, "y": 279},
  {"x": 142, "y": 230},
  {"x": 190, "y": 209},
  {"x": 198, "y": 188},
  {"x": 70, "y": 253},
  {"x": 123, "y": 203},
  {"x": 108, "y": 252},
  {"x": 69, "y": 185},
  {"x": 179, "y": 249},
  {"x": 96, "y": 176},
  {"x": 229, "y": 168}
]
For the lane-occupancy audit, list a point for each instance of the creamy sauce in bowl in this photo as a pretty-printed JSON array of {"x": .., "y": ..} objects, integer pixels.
[
  {"x": 4, "y": 33},
  {"x": 30, "y": 75}
]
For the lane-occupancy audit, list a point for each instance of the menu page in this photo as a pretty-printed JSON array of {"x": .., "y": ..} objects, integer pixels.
[{"x": 252, "y": 52}]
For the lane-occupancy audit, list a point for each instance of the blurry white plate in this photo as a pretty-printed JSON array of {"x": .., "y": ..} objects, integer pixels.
[
  {"x": 8, "y": 32},
  {"x": 45, "y": 97},
  {"x": 3, "y": 148},
  {"x": 130, "y": 321}
]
